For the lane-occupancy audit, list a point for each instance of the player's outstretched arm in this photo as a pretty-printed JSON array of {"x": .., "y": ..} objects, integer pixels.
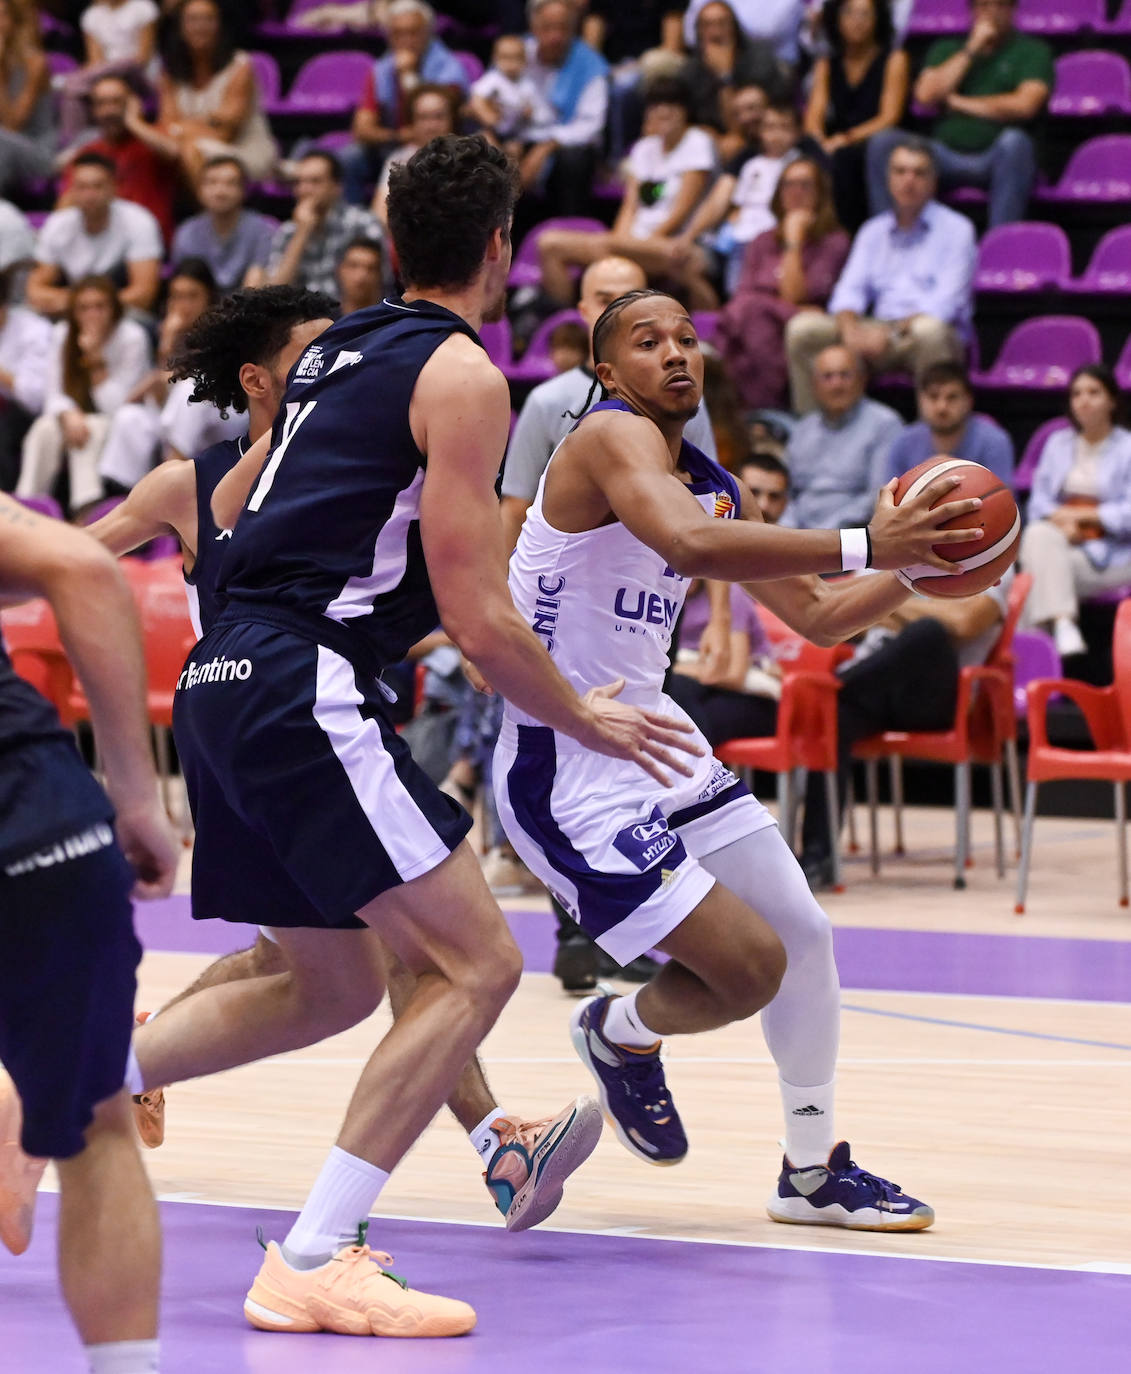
[
  {"x": 626, "y": 459},
  {"x": 163, "y": 502},
  {"x": 235, "y": 486},
  {"x": 460, "y": 414},
  {"x": 99, "y": 629}
]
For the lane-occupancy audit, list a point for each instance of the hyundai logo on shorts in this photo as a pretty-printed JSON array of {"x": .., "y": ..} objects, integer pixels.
[{"x": 647, "y": 842}]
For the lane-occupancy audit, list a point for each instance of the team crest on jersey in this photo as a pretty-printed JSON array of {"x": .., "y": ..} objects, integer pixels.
[
  {"x": 723, "y": 505},
  {"x": 310, "y": 365}
]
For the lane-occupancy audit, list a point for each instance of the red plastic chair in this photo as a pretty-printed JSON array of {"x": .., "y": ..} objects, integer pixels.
[
  {"x": 806, "y": 735},
  {"x": 1107, "y": 711},
  {"x": 984, "y": 732},
  {"x": 32, "y": 639}
]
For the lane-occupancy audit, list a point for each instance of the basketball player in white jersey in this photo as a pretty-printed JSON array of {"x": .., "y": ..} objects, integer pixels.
[{"x": 626, "y": 513}]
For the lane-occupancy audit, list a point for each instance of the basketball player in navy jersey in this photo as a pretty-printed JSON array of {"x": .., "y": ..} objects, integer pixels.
[
  {"x": 373, "y": 517},
  {"x": 68, "y": 953},
  {"x": 239, "y": 355},
  {"x": 626, "y": 513}
]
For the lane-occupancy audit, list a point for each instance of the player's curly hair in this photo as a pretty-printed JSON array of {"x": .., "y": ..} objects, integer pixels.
[
  {"x": 444, "y": 204},
  {"x": 249, "y": 326}
]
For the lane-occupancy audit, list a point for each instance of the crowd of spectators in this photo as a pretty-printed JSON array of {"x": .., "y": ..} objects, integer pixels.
[{"x": 765, "y": 171}]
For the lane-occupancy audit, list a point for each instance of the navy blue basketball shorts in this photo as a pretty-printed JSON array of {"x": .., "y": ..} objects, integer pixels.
[
  {"x": 307, "y": 803},
  {"x": 68, "y": 960}
]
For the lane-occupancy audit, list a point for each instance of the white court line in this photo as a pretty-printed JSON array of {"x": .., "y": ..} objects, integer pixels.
[
  {"x": 842, "y": 1060},
  {"x": 638, "y": 1233}
]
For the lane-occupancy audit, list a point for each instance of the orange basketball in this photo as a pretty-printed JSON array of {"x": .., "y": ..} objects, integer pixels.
[{"x": 982, "y": 561}]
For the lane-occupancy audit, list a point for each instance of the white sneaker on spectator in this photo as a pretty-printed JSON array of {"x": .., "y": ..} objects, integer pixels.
[{"x": 1068, "y": 638}]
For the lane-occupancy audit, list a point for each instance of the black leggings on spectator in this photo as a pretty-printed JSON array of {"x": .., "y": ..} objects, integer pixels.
[
  {"x": 722, "y": 713},
  {"x": 909, "y": 683}
]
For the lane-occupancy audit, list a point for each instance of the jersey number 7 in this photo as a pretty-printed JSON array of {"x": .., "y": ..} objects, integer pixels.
[{"x": 296, "y": 414}]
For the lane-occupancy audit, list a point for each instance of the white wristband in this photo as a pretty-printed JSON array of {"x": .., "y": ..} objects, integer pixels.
[{"x": 853, "y": 550}]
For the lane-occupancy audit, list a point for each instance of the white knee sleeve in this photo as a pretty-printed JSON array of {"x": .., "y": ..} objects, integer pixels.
[{"x": 802, "y": 1023}]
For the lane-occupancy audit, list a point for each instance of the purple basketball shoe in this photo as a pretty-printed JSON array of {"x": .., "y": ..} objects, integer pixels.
[
  {"x": 841, "y": 1194},
  {"x": 634, "y": 1095}
]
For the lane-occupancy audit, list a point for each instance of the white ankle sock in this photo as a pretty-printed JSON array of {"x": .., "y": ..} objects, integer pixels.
[
  {"x": 809, "y": 1136},
  {"x": 341, "y": 1199},
  {"x": 484, "y": 1139},
  {"x": 133, "y": 1082},
  {"x": 124, "y": 1357},
  {"x": 625, "y": 1026}
]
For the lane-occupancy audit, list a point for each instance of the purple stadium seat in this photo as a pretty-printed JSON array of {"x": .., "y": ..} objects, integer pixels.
[
  {"x": 1023, "y": 472},
  {"x": 1060, "y": 16},
  {"x": 1034, "y": 656},
  {"x": 42, "y": 505},
  {"x": 1099, "y": 170},
  {"x": 536, "y": 365},
  {"x": 934, "y": 18},
  {"x": 706, "y": 324},
  {"x": 1041, "y": 353},
  {"x": 330, "y": 83},
  {"x": 495, "y": 337},
  {"x": 60, "y": 64},
  {"x": 1091, "y": 83},
  {"x": 1123, "y": 367},
  {"x": 525, "y": 270},
  {"x": 267, "y": 78},
  {"x": 471, "y": 65},
  {"x": 1110, "y": 267},
  {"x": 1122, "y": 21},
  {"x": 1023, "y": 257}
]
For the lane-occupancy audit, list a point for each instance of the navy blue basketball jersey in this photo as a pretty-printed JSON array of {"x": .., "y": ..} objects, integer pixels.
[
  {"x": 329, "y": 540},
  {"x": 46, "y": 792},
  {"x": 203, "y": 597}
]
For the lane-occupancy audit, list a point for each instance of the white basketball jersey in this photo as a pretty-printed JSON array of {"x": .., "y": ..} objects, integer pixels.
[{"x": 604, "y": 604}]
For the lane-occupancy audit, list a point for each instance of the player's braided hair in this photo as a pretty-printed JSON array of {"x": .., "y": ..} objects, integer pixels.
[
  {"x": 249, "y": 326},
  {"x": 601, "y": 330}
]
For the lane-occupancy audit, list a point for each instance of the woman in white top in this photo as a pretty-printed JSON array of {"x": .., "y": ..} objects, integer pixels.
[
  {"x": 120, "y": 37},
  {"x": 209, "y": 98},
  {"x": 1078, "y": 539},
  {"x": 668, "y": 171},
  {"x": 97, "y": 358}
]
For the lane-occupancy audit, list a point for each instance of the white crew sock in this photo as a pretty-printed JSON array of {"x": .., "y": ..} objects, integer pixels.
[
  {"x": 133, "y": 1081},
  {"x": 484, "y": 1138},
  {"x": 341, "y": 1199},
  {"x": 809, "y": 1137},
  {"x": 124, "y": 1357},
  {"x": 625, "y": 1026}
]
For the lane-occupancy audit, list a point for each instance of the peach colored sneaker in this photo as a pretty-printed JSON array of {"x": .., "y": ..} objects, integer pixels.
[
  {"x": 354, "y": 1295},
  {"x": 149, "y": 1108},
  {"x": 527, "y": 1172},
  {"x": 19, "y": 1173}
]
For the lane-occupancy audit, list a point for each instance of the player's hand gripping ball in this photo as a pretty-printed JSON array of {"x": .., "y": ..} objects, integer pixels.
[{"x": 980, "y": 562}]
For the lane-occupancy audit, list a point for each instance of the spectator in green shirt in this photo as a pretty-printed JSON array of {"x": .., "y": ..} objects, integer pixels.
[{"x": 988, "y": 88}]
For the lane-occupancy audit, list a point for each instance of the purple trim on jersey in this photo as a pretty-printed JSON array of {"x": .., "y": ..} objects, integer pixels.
[
  {"x": 706, "y": 475},
  {"x": 735, "y": 792}
]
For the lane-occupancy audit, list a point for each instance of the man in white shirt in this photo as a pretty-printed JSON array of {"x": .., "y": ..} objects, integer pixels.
[
  {"x": 573, "y": 80},
  {"x": 25, "y": 340},
  {"x": 97, "y": 233},
  {"x": 17, "y": 238}
]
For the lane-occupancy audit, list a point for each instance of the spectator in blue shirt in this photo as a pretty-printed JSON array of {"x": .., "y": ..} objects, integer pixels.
[
  {"x": 838, "y": 455},
  {"x": 904, "y": 299},
  {"x": 415, "y": 57},
  {"x": 947, "y": 425}
]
